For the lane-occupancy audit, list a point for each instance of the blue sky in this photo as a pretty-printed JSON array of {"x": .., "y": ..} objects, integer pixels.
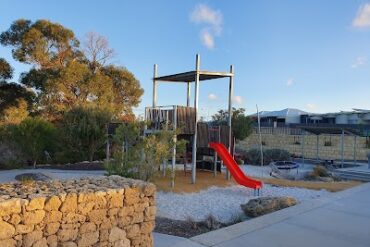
[{"x": 308, "y": 54}]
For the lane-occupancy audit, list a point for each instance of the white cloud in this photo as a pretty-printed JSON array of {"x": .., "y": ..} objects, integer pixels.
[
  {"x": 290, "y": 82},
  {"x": 311, "y": 107},
  {"x": 212, "y": 21},
  {"x": 212, "y": 96},
  {"x": 207, "y": 39},
  {"x": 237, "y": 99},
  {"x": 359, "y": 62},
  {"x": 362, "y": 18}
]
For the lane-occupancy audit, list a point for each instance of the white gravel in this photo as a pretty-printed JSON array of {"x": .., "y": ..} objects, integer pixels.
[{"x": 224, "y": 203}]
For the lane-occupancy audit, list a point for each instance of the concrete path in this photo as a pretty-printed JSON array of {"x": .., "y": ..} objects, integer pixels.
[
  {"x": 164, "y": 240},
  {"x": 341, "y": 219}
]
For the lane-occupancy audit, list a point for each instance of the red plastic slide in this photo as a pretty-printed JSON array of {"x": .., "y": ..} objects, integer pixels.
[{"x": 234, "y": 168}]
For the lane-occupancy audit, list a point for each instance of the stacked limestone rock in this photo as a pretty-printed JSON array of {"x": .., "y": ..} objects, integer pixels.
[{"x": 104, "y": 211}]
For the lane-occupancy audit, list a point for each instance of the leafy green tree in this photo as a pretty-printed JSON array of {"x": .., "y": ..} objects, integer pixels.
[
  {"x": 42, "y": 43},
  {"x": 66, "y": 76},
  {"x": 241, "y": 124},
  {"x": 84, "y": 131},
  {"x": 6, "y": 71},
  {"x": 33, "y": 136},
  {"x": 15, "y": 100}
]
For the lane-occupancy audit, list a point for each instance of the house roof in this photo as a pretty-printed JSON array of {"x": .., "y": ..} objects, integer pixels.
[{"x": 288, "y": 112}]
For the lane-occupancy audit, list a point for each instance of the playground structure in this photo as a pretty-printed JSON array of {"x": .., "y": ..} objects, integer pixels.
[{"x": 212, "y": 141}]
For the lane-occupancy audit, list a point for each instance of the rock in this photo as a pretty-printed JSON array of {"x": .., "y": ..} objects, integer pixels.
[
  {"x": 52, "y": 241},
  {"x": 122, "y": 243},
  {"x": 52, "y": 228},
  {"x": 53, "y": 203},
  {"x": 97, "y": 216},
  {"x": 22, "y": 229},
  {"x": 150, "y": 213},
  {"x": 69, "y": 204},
  {"x": 325, "y": 179},
  {"x": 30, "y": 238},
  {"x": 41, "y": 243},
  {"x": 8, "y": 243},
  {"x": 65, "y": 235},
  {"x": 88, "y": 239},
  {"x": 6, "y": 230},
  {"x": 116, "y": 234},
  {"x": 264, "y": 205},
  {"x": 12, "y": 206},
  {"x": 53, "y": 216},
  {"x": 133, "y": 231},
  {"x": 147, "y": 227},
  {"x": 36, "y": 203},
  {"x": 15, "y": 219},
  {"x": 87, "y": 227},
  {"x": 97, "y": 212},
  {"x": 32, "y": 177},
  {"x": 33, "y": 217}
]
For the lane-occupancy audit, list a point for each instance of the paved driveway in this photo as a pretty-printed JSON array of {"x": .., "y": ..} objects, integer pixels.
[{"x": 339, "y": 220}]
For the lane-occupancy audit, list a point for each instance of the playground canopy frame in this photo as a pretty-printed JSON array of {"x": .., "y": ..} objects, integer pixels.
[{"x": 196, "y": 76}]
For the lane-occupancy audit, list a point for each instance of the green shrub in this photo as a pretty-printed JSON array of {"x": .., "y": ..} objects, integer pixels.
[
  {"x": 33, "y": 136},
  {"x": 138, "y": 157},
  {"x": 253, "y": 156},
  {"x": 83, "y": 133}
]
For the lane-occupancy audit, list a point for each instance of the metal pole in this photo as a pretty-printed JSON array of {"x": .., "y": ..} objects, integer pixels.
[
  {"x": 231, "y": 91},
  {"x": 174, "y": 147},
  {"x": 342, "y": 147},
  {"x": 155, "y": 69},
  {"x": 188, "y": 95},
  {"x": 165, "y": 160},
  {"x": 354, "y": 151},
  {"x": 215, "y": 165},
  {"x": 317, "y": 148},
  {"x": 196, "y": 96},
  {"x": 303, "y": 147},
  {"x": 260, "y": 136}
]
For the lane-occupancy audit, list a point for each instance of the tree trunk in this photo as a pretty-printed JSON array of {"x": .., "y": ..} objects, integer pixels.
[
  {"x": 91, "y": 156},
  {"x": 34, "y": 164}
]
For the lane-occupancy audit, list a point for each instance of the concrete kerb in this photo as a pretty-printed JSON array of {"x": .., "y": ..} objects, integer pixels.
[{"x": 237, "y": 230}]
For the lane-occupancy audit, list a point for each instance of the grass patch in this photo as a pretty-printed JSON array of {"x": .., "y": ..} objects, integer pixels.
[
  {"x": 329, "y": 186},
  {"x": 205, "y": 180}
]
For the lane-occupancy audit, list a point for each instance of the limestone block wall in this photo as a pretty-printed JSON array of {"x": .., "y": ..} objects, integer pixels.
[
  {"x": 102, "y": 211},
  {"x": 295, "y": 144}
]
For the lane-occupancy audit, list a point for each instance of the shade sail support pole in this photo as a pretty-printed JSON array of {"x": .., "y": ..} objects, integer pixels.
[
  {"x": 196, "y": 98},
  {"x": 155, "y": 73},
  {"x": 231, "y": 91}
]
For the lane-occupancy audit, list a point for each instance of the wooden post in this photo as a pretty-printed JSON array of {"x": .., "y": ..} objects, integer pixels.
[
  {"x": 196, "y": 97},
  {"x": 155, "y": 71},
  {"x": 231, "y": 89}
]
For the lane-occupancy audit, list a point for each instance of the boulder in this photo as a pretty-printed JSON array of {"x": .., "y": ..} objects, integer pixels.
[
  {"x": 264, "y": 205},
  {"x": 38, "y": 176}
]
